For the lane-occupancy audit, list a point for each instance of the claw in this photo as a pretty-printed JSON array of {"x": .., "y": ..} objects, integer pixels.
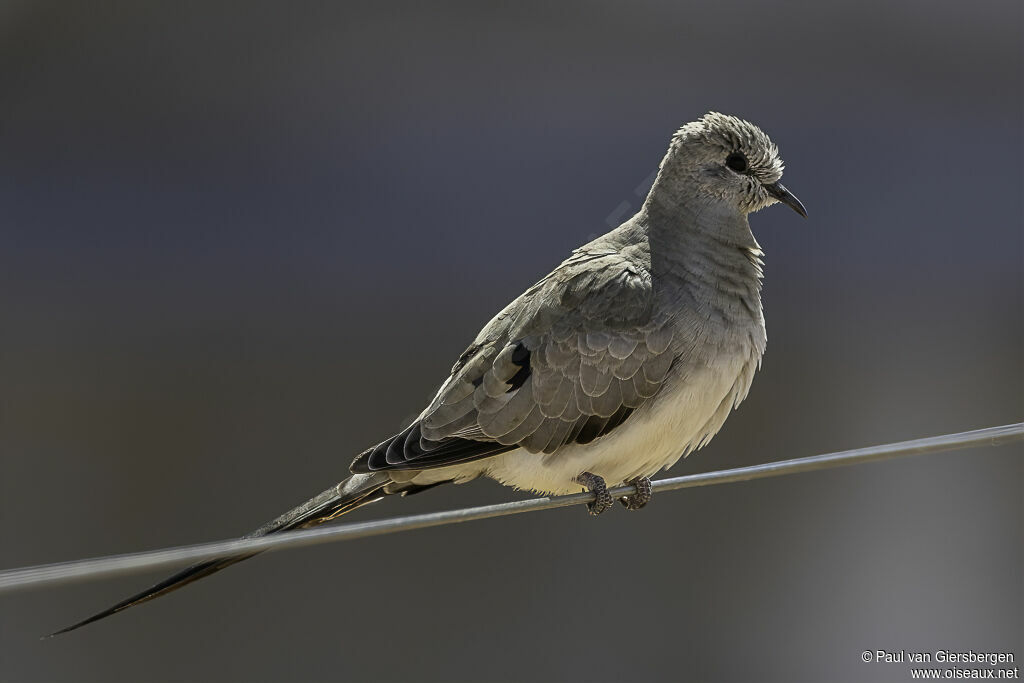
[
  {"x": 642, "y": 496},
  {"x": 596, "y": 485}
]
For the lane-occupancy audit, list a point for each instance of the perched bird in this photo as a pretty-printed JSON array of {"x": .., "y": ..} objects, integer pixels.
[{"x": 626, "y": 357}]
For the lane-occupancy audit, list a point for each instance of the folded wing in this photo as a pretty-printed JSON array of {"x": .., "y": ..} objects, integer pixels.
[{"x": 567, "y": 362}]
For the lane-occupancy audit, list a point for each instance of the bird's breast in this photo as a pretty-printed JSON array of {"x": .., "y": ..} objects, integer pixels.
[{"x": 683, "y": 416}]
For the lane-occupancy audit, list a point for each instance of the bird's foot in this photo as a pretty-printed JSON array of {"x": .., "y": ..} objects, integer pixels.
[
  {"x": 642, "y": 496},
  {"x": 596, "y": 485}
]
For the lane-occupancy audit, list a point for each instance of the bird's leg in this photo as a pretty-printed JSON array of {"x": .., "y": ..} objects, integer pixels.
[
  {"x": 596, "y": 485},
  {"x": 641, "y": 497}
]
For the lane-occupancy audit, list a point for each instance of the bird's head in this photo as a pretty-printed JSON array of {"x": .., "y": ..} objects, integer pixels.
[{"x": 730, "y": 162}]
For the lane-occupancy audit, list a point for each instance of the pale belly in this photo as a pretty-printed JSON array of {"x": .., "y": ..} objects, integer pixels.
[{"x": 681, "y": 418}]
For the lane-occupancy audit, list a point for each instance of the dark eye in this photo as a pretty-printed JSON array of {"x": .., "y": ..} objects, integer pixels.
[{"x": 737, "y": 162}]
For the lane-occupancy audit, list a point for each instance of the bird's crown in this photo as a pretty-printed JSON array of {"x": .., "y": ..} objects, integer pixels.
[{"x": 733, "y": 135}]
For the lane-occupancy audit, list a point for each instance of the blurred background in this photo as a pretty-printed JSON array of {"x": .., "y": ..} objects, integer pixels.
[{"x": 240, "y": 242}]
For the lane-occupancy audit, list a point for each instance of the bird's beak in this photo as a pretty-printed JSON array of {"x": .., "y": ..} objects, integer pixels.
[{"x": 779, "y": 191}]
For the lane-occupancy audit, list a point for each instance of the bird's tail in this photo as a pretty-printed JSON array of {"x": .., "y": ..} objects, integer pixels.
[{"x": 356, "y": 491}]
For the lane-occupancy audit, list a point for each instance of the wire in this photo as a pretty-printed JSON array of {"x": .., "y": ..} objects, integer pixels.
[{"x": 96, "y": 568}]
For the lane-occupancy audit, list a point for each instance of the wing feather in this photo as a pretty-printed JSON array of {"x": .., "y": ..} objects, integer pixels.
[{"x": 568, "y": 362}]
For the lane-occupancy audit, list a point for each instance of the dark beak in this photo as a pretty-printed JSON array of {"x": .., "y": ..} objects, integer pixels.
[{"x": 779, "y": 191}]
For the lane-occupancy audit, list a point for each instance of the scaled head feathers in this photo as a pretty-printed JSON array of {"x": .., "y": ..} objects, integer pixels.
[{"x": 723, "y": 159}]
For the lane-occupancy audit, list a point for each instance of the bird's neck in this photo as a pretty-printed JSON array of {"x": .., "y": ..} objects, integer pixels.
[
  {"x": 703, "y": 246},
  {"x": 677, "y": 209}
]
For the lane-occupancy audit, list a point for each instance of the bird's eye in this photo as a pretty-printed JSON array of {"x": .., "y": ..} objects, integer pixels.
[{"x": 737, "y": 162}]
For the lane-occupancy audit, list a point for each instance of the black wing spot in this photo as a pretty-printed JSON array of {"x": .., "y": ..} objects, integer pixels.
[
  {"x": 520, "y": 357},
  {"x": 595, "y": 427}
]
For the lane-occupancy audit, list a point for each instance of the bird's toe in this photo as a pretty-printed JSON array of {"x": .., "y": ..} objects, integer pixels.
[
  {"x": 642, "y": 496},
  {"x": 596, "y": 485}
]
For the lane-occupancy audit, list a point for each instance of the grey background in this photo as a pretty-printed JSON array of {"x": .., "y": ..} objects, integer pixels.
[{"x": 239, "y": 242}]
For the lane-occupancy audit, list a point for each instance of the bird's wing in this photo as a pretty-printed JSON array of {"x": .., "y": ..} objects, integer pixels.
[{"x": 567, "y": 362}]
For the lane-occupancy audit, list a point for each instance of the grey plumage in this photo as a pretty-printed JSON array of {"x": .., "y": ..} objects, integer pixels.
[
  {"x": 676, "y": 285},
  {"x": 627, "y": 356}
]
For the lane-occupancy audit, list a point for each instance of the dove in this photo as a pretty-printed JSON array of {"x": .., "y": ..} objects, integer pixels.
[{"x": 628, "y": 356}]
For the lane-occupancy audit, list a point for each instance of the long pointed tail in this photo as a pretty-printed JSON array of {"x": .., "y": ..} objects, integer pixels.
[{"x": 356, "y": 491}]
